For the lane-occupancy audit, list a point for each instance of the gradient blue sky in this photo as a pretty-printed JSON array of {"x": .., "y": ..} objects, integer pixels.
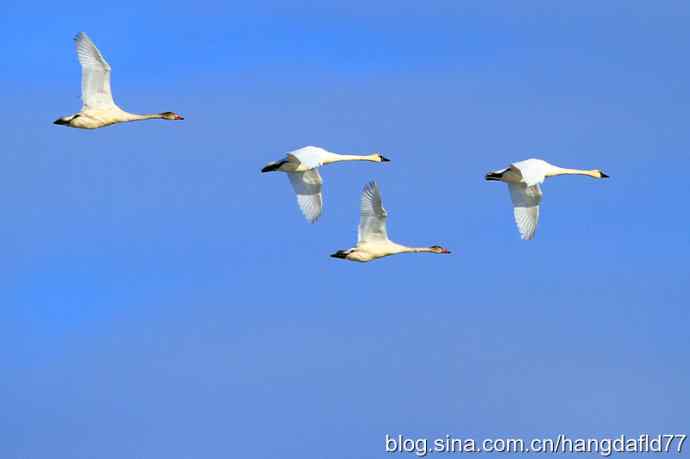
[{"x": 163, "y": 299}]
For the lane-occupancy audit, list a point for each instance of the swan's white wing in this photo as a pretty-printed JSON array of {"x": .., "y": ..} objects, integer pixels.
[
  {"x": 307, "y": 185},
  {"x": 526, "y": 201},
  {"x": 533, "y": 171},
  {"x": 311, "y": 157},
  {"x": 372, "y": 217},
  {"x": 95, "y": 75}
]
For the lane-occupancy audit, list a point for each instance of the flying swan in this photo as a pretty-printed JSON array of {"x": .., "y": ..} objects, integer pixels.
[
  {"x": 99, "y": 109},
  {"x": 372, "y": 238},
  {"x": 302, "y": 168},
  {"x": 523, "y": 179}
]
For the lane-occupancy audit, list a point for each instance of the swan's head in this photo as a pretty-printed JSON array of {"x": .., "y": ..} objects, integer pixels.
[
  {"x": 273, "y": 166},
  {"x": 171, "y": 116},
  {"x": 65, "y": 120},
  {"x": 353, "y": 255},
  {"x": 378, "y": 157},
  {"x": 340, "y": 254},
  {"x": 598, "y": 173},
  {"x": 439, "y": 249}
]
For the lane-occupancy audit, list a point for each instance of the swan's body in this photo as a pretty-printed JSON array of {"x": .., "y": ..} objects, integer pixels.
[
  {"x": 99, "y": 108},
  {"x": 372, "y": 237},
  {"x": 524, "y": 179},
  {"x": 302, "y": 168}
]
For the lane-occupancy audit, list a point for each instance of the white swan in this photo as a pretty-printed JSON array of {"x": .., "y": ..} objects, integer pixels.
[
  {"x": 99, "y": 109},
  {"x": 523, "y": 179},
  {"x": 372, "y": 237},
  {"x": 302, "y": 167}
]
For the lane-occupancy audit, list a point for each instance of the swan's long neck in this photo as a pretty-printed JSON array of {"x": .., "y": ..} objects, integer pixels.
[
  {"x": 135, "y": 117},
  {"x": 416, "y": 250},
  {"x": 335, "y": 158},
  {"x": 562, "y": 171}
]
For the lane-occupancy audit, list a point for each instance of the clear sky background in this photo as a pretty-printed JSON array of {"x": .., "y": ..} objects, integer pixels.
[{"x": 160, "y": 298}]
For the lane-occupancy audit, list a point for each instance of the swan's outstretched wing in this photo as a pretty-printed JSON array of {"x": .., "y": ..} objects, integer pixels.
[
  {"x": 95, "y": 75},
  {"x": 531, "y": 171},
  {"x": 372, "y": 217},
  {"x": 307, "y": 185},
  {"x": 526, "y": 201},
  {"x": 310, "y": 157}
]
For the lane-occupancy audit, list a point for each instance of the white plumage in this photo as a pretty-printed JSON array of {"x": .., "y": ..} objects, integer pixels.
[
  {"x": 302, "y": 166},
  {"x": 526, "y": 201},
  {"x": 524, "y": 179},
  {"x": 372, "y": 216},
  {"x": 98, "y": 107},
  {"x": 307, "y": 186},
  {"x": 372, "y": 237},
  {"x": 95, "y": 75}
]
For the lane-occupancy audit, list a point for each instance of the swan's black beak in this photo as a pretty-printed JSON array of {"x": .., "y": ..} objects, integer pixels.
[
  {"x": 384, "y": 159},
  {"x": 60, "y": 121},
  {"x": 274, "y": 166},
  {"x": 270, "y": 167},
  {"x": 604, "y": 175},
  {"x": 493, "y": 176},
  {"x": 339, "y": 254}
]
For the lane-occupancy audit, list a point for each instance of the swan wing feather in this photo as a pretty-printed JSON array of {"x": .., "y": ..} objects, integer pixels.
[
  {"x": 533, "y": 171},
  {"x": 307, "y": 186},
  {"x": 372, "y": 217},
  {"x": 310, "y": 157},
  {"x": 95, "y": 75},
  {"x": 526, "y": 201}
]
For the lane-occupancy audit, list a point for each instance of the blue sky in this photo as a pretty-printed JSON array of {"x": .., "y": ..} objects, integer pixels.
[{"x": 163, "y": 299}]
